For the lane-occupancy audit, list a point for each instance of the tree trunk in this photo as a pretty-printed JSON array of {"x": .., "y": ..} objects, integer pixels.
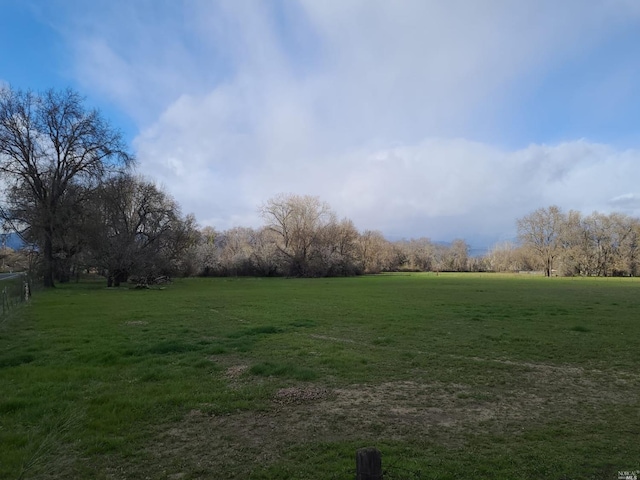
[
  {"x": 121, "y": 277},
  {"x": 49, "y": 263},
  {"x": 547, "y": 268},
  {"x": 62, "y": 270}
]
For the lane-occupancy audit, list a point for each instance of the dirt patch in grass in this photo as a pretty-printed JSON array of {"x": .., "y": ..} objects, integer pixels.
[
  {"x": 333, "y": 339},
  {"x": 300, "y": 395},
  {"x": 136, "y": 323},
  {"x": 235, "y": 371},
  {"x": 446, "y": 413}
]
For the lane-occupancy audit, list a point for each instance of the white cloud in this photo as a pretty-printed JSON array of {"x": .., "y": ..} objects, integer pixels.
[
  {"x": 626, "y": 203},
  {"x": 369, "y": 104},
  {"x": 442, "y": 188},
  {"x": 396, "y": 70}
]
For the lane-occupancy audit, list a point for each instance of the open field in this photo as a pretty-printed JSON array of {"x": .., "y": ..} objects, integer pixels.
[{"x": 450, "y": 376}]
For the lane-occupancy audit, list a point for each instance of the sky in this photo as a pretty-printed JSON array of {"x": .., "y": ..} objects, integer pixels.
[{"x": 417, "y": 118}]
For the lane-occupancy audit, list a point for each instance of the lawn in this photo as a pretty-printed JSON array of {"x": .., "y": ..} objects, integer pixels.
[{"x": 450, "y": 376}]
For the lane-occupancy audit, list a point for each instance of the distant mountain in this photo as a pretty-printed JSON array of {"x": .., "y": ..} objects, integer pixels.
[
  {"x": 474, "y": 251},
  {"x": 478, "y": 251},
  {"x": 13, "y": 241}
]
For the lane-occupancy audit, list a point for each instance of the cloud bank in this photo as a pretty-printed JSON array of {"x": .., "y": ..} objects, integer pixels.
[{"x": 407, "y": 117}]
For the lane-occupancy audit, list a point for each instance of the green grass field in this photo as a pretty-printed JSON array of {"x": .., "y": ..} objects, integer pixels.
[{"x": 450, "y": 376}]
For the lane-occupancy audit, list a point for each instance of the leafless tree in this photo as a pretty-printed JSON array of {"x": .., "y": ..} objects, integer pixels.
[
  {"x": 139, "y": 230},
  {"x": 265, "y": 256},
  {"x": 609, "y": 244},
  {"x": 48, "y": 143},
  {"x": 336, "y": 254},
  {"x": 505, "y": 257},
  {"x": 419, "y": 254},
  {"x": 594, "y": 245},
  {"x": 235, "y": 251},
  {"x": 205, "y": 253},
  {"x": 456, "y": 256},
  {"x": 298, "y": 223},
  {"x": 540, "y": 232},
  {"x": 629, "y": 248},
  {"x": 375, "y": 253}
]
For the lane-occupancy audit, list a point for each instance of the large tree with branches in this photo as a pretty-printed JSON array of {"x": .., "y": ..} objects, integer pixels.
[
  {"x": 52, "y": 149},
  {"x": 298, "y": 224},
  {"x": 138, "y": 230},
  {"x": 541, "y": 232}
]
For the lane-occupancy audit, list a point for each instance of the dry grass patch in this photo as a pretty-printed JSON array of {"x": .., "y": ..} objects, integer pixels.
[
  {"x": 136, "y": 323},
  {"x": 447, "y": 413},
  {"x": 300, "y": 395},
  {"x": 235, "y": 371}
]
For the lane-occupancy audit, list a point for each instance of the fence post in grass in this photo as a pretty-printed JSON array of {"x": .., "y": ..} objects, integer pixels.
[{"x": 368, "y": 464}]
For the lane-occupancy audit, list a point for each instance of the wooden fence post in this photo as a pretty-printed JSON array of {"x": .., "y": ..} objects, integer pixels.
[{"x": 368, "y": 464}]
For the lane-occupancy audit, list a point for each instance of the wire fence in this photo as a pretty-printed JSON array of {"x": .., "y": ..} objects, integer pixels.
[{"x": 15, "y": 290}]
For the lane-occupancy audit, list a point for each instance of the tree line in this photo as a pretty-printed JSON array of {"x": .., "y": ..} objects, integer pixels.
[
  {"x": 571, "y": 243},
  {"x": 302, "y": 236},
  {"x": 70, "y": 191}
]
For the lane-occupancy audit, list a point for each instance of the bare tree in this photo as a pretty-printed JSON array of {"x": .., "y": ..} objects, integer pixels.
[
  {"x": 337, "y": 252},
  {"x": 540, "y": 232},
  {"x": 48, "y": 143},
  {"x": 139, "y": 230},
  {"x": 418, "y": 254},
  {"x": 504, "y": 257},
  {"x": 206, "y": 253},
  {"x": 456, "y": 256},
  {"x": 265, "y": 253},
  {"x": 629, "y": 248},
  {"x": 375, "y": 253},
  {"x": 235, "y": 251},
  {"x": 298, "y": 223},
  {"x": 598, "y": 244}
]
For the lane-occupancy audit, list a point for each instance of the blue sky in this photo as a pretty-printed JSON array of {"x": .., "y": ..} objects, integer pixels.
[{"x": 412, "y": 117}]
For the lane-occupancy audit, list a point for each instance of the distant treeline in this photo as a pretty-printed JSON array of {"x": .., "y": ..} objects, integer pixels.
[
  {"x": 71, "y": 195},
  {"x": 303, "y": 237},
  {"x": 573, "y": 244}
]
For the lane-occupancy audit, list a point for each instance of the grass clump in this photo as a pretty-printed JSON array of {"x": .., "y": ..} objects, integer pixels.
[
  {"x": 263, "y": 330},
  {"x": 581, "y": 329},
  {"x": 16, "y": 360},
  {"x": 171, "y": 346},
  {"x": 268, "y": 369}
]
